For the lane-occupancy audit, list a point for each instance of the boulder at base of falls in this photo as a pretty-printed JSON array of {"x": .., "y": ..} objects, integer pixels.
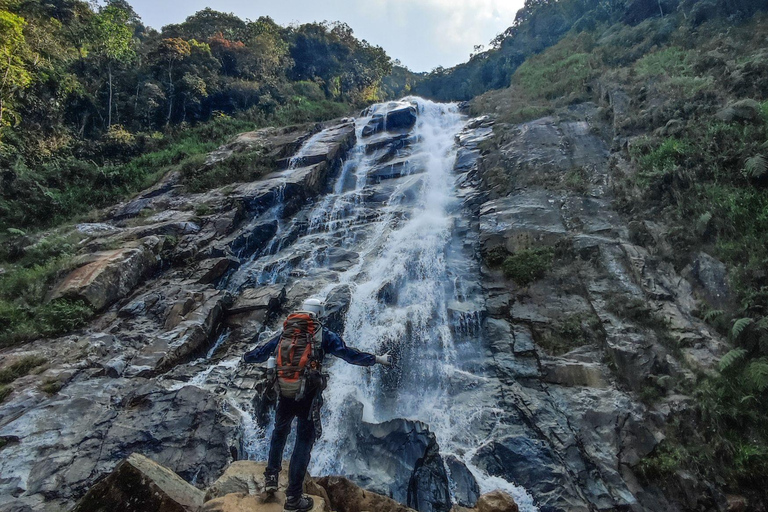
[
  {"x": 495, "y": 501},
  {"x": 137, "y": 485},
  {"x": 398, "y": 458}
]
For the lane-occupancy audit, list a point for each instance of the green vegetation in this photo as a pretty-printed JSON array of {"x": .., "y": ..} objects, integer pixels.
[
  {"x": 627, "y": 31},
  {"x": 569, "y": 332},
  {"x": 4, "y": 392},
  {"x": 564, "y": 68},
  {"x": 20, "y": 368},
  {"x": 24, "y": 285},
  {"x": 528, "y": 265},
  {"x": 51, "y": 387},
  {"x": 95, "y": 106}
]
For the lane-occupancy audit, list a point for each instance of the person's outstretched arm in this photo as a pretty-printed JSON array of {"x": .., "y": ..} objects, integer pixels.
[
  {"x": 262, "y": 352},
  {"x": 333, "y": 344}
]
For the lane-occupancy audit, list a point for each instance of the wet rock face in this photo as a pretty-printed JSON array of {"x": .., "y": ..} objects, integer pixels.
[
  {"x": 401, "y": 459},
  {"x": 572, "y": 349},
  {"x": 105, "y": 419}
]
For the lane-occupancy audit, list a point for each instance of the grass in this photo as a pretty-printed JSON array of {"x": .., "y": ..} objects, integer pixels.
[
  {"x": 4, "y": 392},
  {"x": 20, "y": 368},
  {"x": 561, "y": 71},
  {"x": 240, "y": 167},
  {"x": 51, "y": 386},
  {"x": 528, "y": 265}
]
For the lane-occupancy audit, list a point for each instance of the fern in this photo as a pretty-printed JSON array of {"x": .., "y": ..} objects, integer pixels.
[
  {"x": 732, "y": 358},
  {"x": 713, "y": 315},
  {"x": 757, "y": 375},
  {"x": 739, "y": 326},
  {"x": 756, "y": 167}
]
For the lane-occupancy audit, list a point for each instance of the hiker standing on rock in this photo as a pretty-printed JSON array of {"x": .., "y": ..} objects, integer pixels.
[{"x": 294, "y": 362}]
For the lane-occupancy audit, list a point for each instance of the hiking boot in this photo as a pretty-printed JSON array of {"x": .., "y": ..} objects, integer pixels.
[
  {"x": 270, "y": 483},
  {"x": 301, "y": 503}
]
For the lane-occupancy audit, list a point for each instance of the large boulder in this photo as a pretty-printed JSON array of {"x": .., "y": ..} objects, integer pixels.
[
  {"x": 247, "y": 503},
  {"x": 246, "y": 477},
  {"x": 401, "y": 118},
  {"x": 138, "y": 485},
  {"x": 110, "y": 275},
  {"x": 496, "y": 501},
  {"x": 399, "y": 458}
]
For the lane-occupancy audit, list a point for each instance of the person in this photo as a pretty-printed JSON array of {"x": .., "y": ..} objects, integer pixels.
[{"x": 300, "y": 392}]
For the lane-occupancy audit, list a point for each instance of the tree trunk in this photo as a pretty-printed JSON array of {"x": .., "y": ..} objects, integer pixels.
[
  {"x": 170, "y": 95},
  {"x": 109, "y": 114}
]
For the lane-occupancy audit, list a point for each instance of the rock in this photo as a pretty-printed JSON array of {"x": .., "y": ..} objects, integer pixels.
[
  {"x": 114, "y": 367},
  {"x": 268, "y": 298},
  {"x": 245, "y": 503},
  {"x": 111, "y": 275},
  {"x": 428, "y": 489},
  {"x": 198, "y": 316},
  {"x": 212, "y": 269},
  {"x": 746, "y": 110},
  {"x": 96, "y": 228},
  {"x": 532, "y": 464},
  {"x": 336, "y": 307},
  {"x": 736, "y": 503},
  {"x": 520, "y": 221},
  {"x": 465, "y": 487},
  {"x": 246, "y": 477},
  {"x": 568, "y": 373},
  {"x": 375, "y": 125},
  {"x": 274, "y": 143},
  {"x": 496, "y": 501},
  {"x": 399, "y": 458},
  {"x": 711, "y": 276},
  {"x": 401, "y": 118},
  {"x": 345, "y": 496},
  {"x": 138, "y": 485}
]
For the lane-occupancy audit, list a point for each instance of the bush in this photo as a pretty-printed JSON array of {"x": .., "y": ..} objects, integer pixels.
[
  {"x": 63, "y": 315},
  {"x": 528, "y": 265}
]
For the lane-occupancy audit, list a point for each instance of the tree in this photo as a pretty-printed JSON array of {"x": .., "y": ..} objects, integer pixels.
[
  {"x": 14, "y": 76},
  {"x": 168, "y": 53},
  {"x": 113, "y": 42}
]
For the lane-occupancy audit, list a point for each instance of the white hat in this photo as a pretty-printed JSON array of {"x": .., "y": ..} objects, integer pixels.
[{"x": 314, "y": 306}]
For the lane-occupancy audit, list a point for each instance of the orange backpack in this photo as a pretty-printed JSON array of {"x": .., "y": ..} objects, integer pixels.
[{"x": 299, "y": 353}]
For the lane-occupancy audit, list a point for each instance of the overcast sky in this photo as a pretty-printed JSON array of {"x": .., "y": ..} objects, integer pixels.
[{"x": 423, "y": 34}]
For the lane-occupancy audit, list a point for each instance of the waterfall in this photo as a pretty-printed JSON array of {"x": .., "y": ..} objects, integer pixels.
[{"x": 414, "y": 293}]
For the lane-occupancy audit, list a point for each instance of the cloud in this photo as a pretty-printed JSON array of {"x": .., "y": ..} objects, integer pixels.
[
  {"x": 423, "y": 34},
  {"x": 440, "y": 32}
]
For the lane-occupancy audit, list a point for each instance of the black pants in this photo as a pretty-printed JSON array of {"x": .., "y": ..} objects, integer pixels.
[{"x": 287, "y": 409}]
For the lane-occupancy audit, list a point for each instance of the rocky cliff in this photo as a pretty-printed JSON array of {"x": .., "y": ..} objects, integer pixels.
[{"x": 526, "y": 319}]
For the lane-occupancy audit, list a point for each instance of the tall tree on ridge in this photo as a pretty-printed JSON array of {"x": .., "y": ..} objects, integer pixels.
[{"x": 113, "y": 41}]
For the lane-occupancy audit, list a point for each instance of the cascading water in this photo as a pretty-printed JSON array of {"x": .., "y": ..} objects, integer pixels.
[{"x": 413, "y": 294}]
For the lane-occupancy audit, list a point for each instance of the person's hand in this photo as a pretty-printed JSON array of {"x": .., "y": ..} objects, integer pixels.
[{"x": 385, "y": 360}]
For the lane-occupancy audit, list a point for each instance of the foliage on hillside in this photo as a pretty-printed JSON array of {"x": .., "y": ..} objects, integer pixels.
[
  {"x": 692, "y": 128},
  {"x": 85, "y": 89},
  {"x": 542, "y": 23}
]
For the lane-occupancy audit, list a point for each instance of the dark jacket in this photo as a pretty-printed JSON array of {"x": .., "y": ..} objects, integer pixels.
[{"x": 332, "y": 344}]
